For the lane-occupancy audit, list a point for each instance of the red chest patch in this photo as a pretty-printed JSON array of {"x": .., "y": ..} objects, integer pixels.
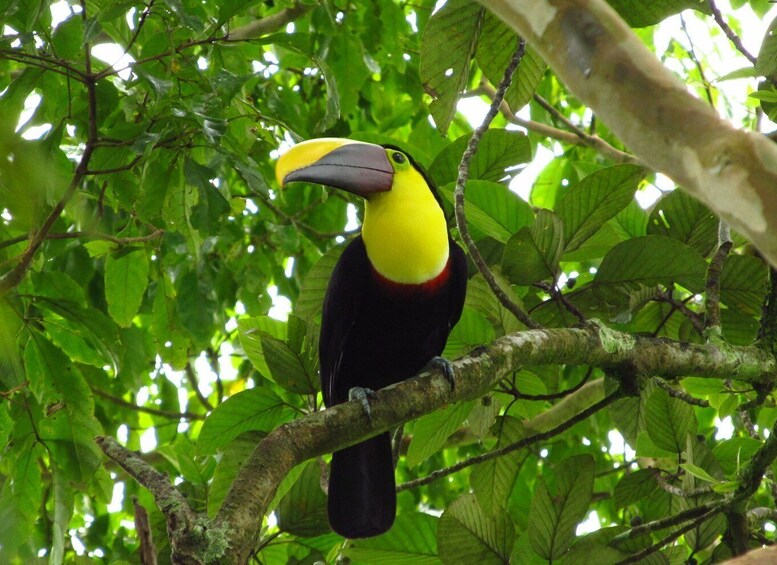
[{"x": 428, "y": 288}]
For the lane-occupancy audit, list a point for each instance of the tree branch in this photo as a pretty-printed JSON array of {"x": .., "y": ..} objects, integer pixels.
[
  {"x": 609, "y": 68},
  {"x": 271, "y": 23},
  {"x": 592, "y": 141},
  {"x": 525, "y": 442},
  {"x": 12, "y": 278},
  {"x": 89, "y": 235},
  {"x": 681, "y": 394},
  {"x": 147, "y": 409},
  {"x": 345, "y": 424},
  {"x": 461, "y": 181},
  {"x": 182, "y": 523},
  {"x": 732, "y": 37}
]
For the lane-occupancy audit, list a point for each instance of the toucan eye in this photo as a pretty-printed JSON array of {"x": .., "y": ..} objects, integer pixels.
[{"x": 398, "y": 157}]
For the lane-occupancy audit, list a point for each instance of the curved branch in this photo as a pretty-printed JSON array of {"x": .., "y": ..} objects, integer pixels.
[
  {"x": 345, "y": 424},
  {"x": 461, "y": 181},
  {"x": 12, "y": 278},
  {"x": 611, "y": 70},
  {"x": 587, "y": 140},
  {"x": 271, "y": 23}
]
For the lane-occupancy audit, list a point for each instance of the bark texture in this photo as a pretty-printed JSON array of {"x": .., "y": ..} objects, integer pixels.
[{"x": 605, "y": 64}]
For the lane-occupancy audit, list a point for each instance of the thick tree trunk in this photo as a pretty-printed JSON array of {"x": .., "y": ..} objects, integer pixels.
[{"x": 606, "y": 65}]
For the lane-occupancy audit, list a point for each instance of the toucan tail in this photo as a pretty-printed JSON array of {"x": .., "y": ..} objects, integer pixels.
[{"x": 362, "y": 493}]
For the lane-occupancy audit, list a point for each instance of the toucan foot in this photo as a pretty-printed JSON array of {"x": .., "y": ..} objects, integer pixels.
[
  {"x": 363, "y": 395},
  {"x": 445, "y": 366}
]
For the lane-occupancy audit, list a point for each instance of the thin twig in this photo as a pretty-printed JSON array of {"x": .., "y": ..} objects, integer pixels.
[
  {"x": 592, "y": 141},
  {"x": 89, "y": 235},
  {"x": 153, "y": 411},
  {"x": 678, "y": 491},
  {"x": 732, "y": 37},
  {"x": 146, "y": 551},
  {"x": 681, "y": 394},
  {"x": 271, "y": 23},
  {"x": 712, "y": 290},
  {"x": 191, "y": 374},
  {"x": 692, "y": 54},
  {"x": 15, "y": 276},
  {"x": 695, "y": 318},
  {"x": 675, "y": 520},
  {"x": 141, "y": 20},
  {"x": 554, "y": 396},
  {"x": 767, "y": 330},
  {"x": 119, "y": 169},
  {"x": 560, "y": 117},
  {"x": 461, "y": 219},
  {"x": 556, "y": 294},
  {"x": 637, "y": 557},
  {"x": 525, "y": 442},
  {"x": 292, "y": 220}
]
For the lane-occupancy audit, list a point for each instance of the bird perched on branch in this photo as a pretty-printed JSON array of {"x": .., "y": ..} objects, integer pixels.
[{"x": 394, "y": 295}]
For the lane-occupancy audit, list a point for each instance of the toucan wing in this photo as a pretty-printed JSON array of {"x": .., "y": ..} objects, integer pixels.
[{"x": 342, "y": 303}]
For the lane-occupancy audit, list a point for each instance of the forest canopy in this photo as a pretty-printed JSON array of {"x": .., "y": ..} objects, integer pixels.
[{"x": 160, "y": 297}]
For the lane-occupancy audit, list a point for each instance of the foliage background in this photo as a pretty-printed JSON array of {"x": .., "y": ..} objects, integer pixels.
[{"x": 144, "y": 246}]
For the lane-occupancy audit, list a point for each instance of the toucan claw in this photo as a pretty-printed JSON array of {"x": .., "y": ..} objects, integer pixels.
[
  {"x": 445, "y": 366},
  {"x": 363, "y": 394}
]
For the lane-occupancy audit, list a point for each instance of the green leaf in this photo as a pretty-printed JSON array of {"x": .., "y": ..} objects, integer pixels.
[
  {"x": 495, "y": 49},
  {"x": 63, "y": 512},
  {"x": 492, "y": 481},
  {"x": 302, "y": 512},
  {"x": 642, "y": 14},
  {"x": 447, "y": 45},
  {"x": 286, "y": 367},
  {"x": 211, "y": 208},
  {"x": 492, "y": 209},
  {"x": 256, "y": 409},
  {"x": 706, "y": 533},
  {"x": 652, "y": 260},
  {"x": 466, "y": 534},
  {"x": 172, "y": 340},
  {"x": 634, "y": 487},
  {"x": 411, "y": 540},
  {"x": 332, "y": 97},
  {"x": 669, "y": 420},
  {"x": 498, "y": 150},
  {"x": 126, "y": 278},
  {"x": 699, "y": 473},
  {"x": 232, "y": 458},
  {"x": 595, "y": 548},
  {"x": 733, "y": 454},
  {"x": 70, "y": 426},
  {"x": 682, "y": 217},
  {"x": 628, "y": 415},
  {"x": 251, "y": 331},
  {"x": 726, "y": 487},
  {"x": 471, "y": 330},
  {"x": 743, "y": 283},
  {"x": 553, "y": 517},
  {"x": 311, "y": 295},
  {"x": 481, "y": 299},
  {"x": 766, "y": 63},
  {"x": 533, "y": 253},
  {"x": 586, "y": 206},
  {"x": 431, "y": 431}
]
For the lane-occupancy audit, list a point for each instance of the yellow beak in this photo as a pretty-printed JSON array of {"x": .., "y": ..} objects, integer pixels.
[{"x": 355, "y": 166}]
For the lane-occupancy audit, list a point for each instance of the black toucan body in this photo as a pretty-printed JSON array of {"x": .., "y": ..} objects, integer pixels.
[{"x": 394, "y": 295}]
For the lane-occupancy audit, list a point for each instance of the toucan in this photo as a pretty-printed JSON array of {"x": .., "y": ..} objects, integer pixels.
[{"x": 393, "y": 297}]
